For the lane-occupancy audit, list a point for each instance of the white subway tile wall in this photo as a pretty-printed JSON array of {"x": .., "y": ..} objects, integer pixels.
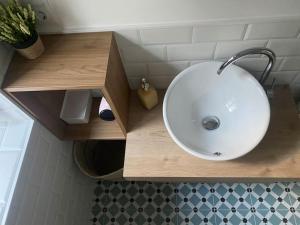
[
  {"x": 297, "y": 81},
  {"x": 166, "y": 35},
  {"x": 50, "y": 189},
  {"x": 160, "y": 53},
  {"x": 227, "y": 49},
  {"x": 283, "y": 77},
  {"x": 136, "y": 69},
  {"x": 171, "y": 68},
  {"x": 218, "y": 33},
  {"x": 190, "y": 51},
  {"x": 256, "y": 64},
  {"x": 285, "y": 47},
  {"x": 291, "y": 63},
  {"x": 273, "y": 30},
  {"x": 136, "y": 54}
]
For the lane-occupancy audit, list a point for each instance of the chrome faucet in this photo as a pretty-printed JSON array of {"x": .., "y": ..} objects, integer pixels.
[{"x": 253, "y": 51}]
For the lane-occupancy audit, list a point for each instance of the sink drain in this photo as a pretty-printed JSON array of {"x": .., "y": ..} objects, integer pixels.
[
  {"x": 211, "y": 122},
  {"x": 217, "y": 153}
]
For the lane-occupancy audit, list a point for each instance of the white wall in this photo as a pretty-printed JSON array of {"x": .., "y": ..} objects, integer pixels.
[
  {"x": 160, "y": 53},
  {"x": 115, "y": 14},
  {"x": 50, "y": 189},
  {"x": 158, "y": 39}
]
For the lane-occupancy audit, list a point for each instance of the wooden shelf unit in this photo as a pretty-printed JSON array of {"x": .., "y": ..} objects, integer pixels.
[
  {"x": 152, "y": 155},
  {"x": 72, "y": 62}
]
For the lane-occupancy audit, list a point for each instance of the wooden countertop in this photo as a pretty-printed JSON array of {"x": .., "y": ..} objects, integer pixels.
[
  {"x": 71, "y": 61},
  {"x": 152, "y": 155}
]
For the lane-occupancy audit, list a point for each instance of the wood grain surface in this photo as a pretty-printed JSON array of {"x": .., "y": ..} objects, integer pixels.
[
  {"x": 152, "y": 155},
  {"x": 116, "y": 88},
  {"x": 70, "y": 61}
]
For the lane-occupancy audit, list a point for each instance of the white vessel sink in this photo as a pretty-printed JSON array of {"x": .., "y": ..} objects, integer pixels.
[{"x": 216, "y": 117}]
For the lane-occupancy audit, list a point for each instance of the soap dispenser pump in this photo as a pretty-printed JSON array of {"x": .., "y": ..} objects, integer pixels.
[{"x": 147, "y": 95}]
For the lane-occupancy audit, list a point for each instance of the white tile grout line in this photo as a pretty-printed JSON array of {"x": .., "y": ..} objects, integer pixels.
[
  {"x": 165, "y": 53},
  {"x": 245, "y": 31},
  {"x": 214, "y": 51},
  {"x": 293, "y": 79},
  {"x": 281, "y": 64},
  {"x": 193, "y": 35},
  {"x": 267, "y": 45},
  {"x": 298, "y": 36},
  {"x": 139, "y": 36}
]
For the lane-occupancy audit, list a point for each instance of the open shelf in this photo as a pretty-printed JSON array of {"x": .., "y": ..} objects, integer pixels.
[
  {"x": 96, "y": 128},
  {"x": 88, "y": 61}
]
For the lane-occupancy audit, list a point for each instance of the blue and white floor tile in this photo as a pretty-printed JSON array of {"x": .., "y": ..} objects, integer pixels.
[{"x": 143, "y": 203}]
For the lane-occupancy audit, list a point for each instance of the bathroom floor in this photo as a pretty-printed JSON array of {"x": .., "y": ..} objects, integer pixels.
[{"x": 141, "y": 203}]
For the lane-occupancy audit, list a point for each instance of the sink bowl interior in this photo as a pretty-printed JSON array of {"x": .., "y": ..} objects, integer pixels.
[{"x": 216, "y": 117}]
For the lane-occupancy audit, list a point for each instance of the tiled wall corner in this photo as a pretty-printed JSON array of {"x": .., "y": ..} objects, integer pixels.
[
  {"x": 128, "y": 37},
  {"x": 50, "y": 189},
  {"x": 159, "y": 53}
]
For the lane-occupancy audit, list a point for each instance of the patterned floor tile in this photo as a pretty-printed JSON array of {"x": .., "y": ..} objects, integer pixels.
[
  {"x": 229, "y": 217},
  {"x": 297, "y": 217},
  {"x": 228, "y": 196},
  {"x": 137, "y": 217},
  {"x": 240, "y": 217},
  {"x": 294, "y": 193},
  {"x": 281, "y": 217},
  {"x": 194, "y": 195},
  {"x": 144, "y": 203},
  {"x": 270, "y": 196},
  {"x": 206, "y": 217}
]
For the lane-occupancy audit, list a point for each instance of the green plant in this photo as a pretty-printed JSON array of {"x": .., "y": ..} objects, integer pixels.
[{"x": 17, "y": 22}]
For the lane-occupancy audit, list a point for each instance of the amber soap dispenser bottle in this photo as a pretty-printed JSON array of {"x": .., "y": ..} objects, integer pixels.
[{"x": 147, "y": 95}]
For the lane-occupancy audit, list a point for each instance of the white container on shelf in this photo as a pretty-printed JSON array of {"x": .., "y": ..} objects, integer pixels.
[{"x": 76, "y": 107}]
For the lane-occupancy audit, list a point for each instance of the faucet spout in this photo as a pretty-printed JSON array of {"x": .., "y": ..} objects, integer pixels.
[{"x": 253, "y": 51}]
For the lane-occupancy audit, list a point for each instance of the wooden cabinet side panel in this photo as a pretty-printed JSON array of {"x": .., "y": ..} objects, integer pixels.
[
  {"x": 45, "y": 106},
  {"x": 116, "y": 89}
]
